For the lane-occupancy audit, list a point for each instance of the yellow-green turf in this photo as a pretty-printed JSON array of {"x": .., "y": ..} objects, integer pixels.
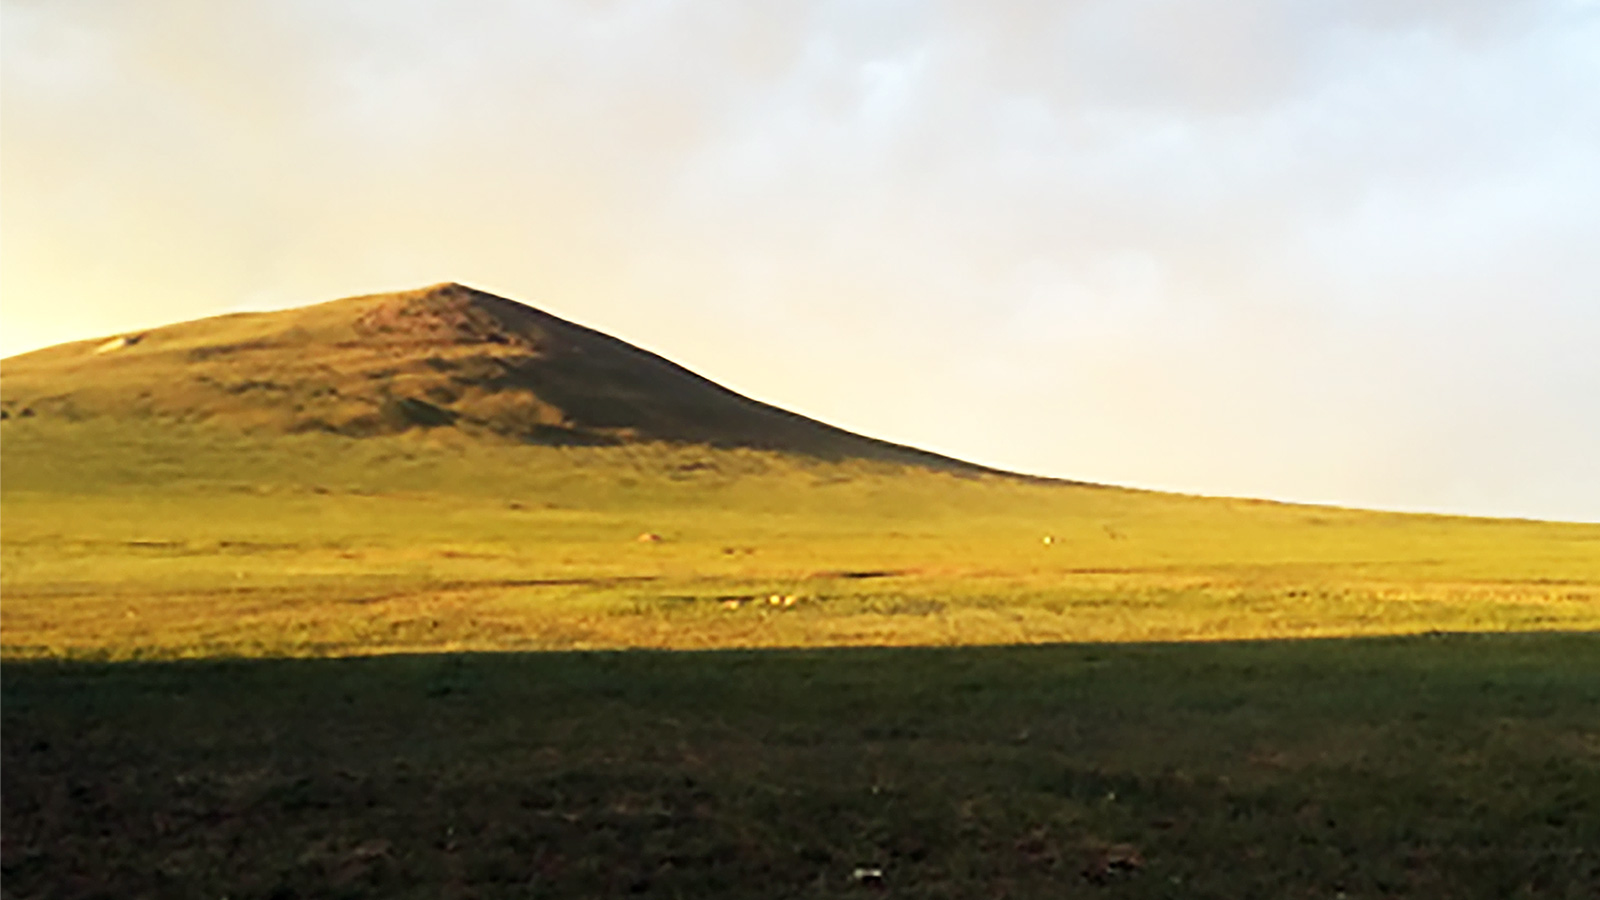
[
  {"x": 142, "y": 539},
  {"x": 159, "y": 740}
]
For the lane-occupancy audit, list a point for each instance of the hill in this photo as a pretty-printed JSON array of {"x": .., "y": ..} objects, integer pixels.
[
  {"x": 414, "y": 477},
  {"x": 442, "y": 357},
  {"x": 444, "y": 469}
]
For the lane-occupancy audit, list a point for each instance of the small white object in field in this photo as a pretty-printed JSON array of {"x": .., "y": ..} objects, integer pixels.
[
  {"x": 868, "y": 875},
  {"x": 117, "y": 343},
  {"x": 649, "y": 537},
  {"x": 1049, "y": 539},
  {"x": 730, "y": 604}
]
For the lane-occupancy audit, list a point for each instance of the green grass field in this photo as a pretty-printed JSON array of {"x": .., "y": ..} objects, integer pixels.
[
  {"x": 1438, "y": 768},
  {"x": 134, "y": 540},
  {"x": 174, "y": 728}
]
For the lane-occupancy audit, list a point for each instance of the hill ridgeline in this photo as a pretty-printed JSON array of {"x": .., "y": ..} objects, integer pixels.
[{"x": 442, "y": 357}]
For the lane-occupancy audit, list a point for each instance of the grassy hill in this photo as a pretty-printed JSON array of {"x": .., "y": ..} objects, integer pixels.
[
  {"x": 447, "y": 469},
  {"x": 445, "y": 357},
  {"x": 190, "y": 512}
]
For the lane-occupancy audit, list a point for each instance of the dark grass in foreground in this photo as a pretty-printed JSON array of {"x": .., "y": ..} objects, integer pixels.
[{"x": 1439, "y": 767}]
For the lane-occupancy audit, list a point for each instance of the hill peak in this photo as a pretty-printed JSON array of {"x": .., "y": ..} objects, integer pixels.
[
  {"x": 442, "y": 356},
  {"x": 447, "y": 311},
  {"x": 446, "y": 295}
]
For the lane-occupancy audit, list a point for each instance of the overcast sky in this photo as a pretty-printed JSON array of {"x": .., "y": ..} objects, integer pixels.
[{"x": 1327, "y": 250}]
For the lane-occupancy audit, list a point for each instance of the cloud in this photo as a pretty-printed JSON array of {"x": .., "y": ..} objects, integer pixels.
[{"x": 1314, "y": 250}]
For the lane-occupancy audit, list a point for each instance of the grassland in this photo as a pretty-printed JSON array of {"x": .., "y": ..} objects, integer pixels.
[
  {"x": 173, "y": 725},
  {"x": 1445, "y": 767},
  {"x": 138, "y": 540}
]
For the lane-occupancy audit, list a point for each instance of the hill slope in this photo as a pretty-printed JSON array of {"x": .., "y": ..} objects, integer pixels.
[
  {"x": 445, "y": 356},
  {"x": 446, "y": 470}
]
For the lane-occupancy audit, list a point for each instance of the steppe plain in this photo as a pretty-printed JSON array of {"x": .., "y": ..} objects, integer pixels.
[{"x": 420, "y": 595}]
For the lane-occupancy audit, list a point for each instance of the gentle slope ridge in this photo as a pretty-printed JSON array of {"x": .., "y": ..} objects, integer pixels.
[{"x": 445, "y": 356}]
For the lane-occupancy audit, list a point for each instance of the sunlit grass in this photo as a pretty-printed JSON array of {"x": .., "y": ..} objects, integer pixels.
[
  {"x": 142, "y": 541},
  {"x": 1148, "y": 752}
]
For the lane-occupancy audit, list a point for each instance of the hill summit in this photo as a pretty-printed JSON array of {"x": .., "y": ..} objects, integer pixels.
[{"x": 445, "y": 356}]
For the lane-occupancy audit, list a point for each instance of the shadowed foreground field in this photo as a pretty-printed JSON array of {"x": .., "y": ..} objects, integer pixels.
[{"x": 1438, "y": 767}]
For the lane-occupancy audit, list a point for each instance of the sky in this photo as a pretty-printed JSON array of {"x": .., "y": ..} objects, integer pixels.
[{"x": 1341, "y": 251}]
